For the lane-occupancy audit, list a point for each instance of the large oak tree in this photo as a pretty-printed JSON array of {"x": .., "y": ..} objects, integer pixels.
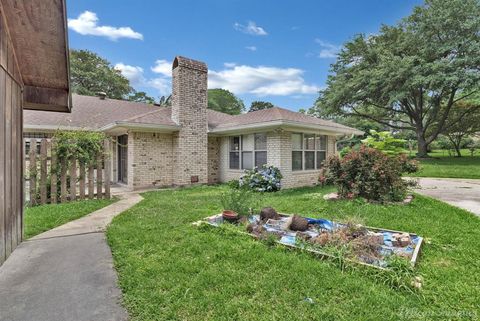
[{"x": 408, "y": 76}]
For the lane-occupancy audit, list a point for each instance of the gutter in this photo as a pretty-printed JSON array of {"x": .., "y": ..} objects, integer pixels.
[{"x": 287, "y": 123}]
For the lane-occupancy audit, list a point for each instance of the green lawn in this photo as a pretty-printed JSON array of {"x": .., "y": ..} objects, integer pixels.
[
  {"x": 171, "y": 270},
  {"x": 443, "y": 165},
  {"x": 42, "y": 218}
]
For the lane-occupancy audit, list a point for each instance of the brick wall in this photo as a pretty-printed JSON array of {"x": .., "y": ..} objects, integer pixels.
[
  {"x": 189, "y": 109},
  {"x": 279, "y": 154},
  {"x": 150, "y": 160}
]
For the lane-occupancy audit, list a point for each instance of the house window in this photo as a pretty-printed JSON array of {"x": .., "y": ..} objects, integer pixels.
[
  {"x": 247, "y": 151},
  {"x": 308, "y": 151}
]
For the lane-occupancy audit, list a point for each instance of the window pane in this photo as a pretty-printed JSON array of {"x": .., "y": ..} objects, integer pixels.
[
  {"x": 247, "y": 160},
  {"x": 247, "y": 142},
  {"x": 261, "y": 141},
  {"x": 297, "y": 141},
  {"x": 297, "y": 161},
  {"x": 309, "y": 141},
  {"x": 321, "y": 142},
  {"x": 320, "y": 159},
  {"x": 234, "y": 160},
  {"x": 260, "y": 158},
  {"x": 309, "y": 160},
  {"x": 235, "y": 143}
]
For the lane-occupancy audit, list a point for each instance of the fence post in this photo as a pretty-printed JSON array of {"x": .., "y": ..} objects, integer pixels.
[
  {"x": 63, "y": 180},
  {"x": 33, "y": 171},
  {"x": 82, "y": 180},
  {"x": 91, "y": 188},
  {"x": 106, "y": 157},
  {"x": 53, "y": 173},
  {"x": 99, "y": 176},
  {"x": 43, "y": 171},
  {"x": 73, "y": 179}
]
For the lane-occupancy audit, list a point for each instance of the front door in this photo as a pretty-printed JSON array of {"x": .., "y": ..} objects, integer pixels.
[{"x": 122, "y": 156}]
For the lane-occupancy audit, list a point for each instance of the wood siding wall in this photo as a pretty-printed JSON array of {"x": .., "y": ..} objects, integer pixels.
[{"x": 11, "y": 185}]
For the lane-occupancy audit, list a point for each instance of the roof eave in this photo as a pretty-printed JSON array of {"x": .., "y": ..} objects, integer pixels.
[
  {"x": 123, "y": 125},
  {"x": 291, "y": 125}
]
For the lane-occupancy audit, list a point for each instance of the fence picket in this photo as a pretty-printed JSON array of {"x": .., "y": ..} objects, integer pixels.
[
  {"x": 99, "y": 177},
  {"x": 107, "y": 163},
  {"x": 73, "y": 179},
  {"x": 33, "y": 171},
  {"x": 53, "y": 173},
  {"x": 43, "y": 171},
  {"x": 82, "y": 180},
  {"x": 63, "y": 180},
  {"x": 91, "y": 186}
]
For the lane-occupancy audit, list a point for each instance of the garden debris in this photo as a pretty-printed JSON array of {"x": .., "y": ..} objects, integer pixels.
[
  {"x": 360, "y": 244},
  {"x": 268, "y": 213},
  {"x": 298, "y": 223}
]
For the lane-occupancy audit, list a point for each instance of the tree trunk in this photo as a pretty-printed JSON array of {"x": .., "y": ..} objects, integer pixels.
[
  {"x": 422, "y": 150},
  {"x": 457, "y": 149}
]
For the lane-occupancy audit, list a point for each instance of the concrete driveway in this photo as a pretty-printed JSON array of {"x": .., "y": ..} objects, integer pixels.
[
  {"x": 65, "y": 274},
  {"x": 463, "y": 193}
]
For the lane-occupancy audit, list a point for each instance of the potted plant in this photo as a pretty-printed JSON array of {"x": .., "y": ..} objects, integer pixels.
[{"x": 235, "y": 203}]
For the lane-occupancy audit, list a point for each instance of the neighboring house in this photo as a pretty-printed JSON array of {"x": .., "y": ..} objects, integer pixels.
[
  {"x": 190, "y": 144},
  {"x": 33, "y": 75}
]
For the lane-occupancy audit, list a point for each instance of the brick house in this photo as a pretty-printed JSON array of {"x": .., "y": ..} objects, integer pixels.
[{"x": 190, "y": 144}]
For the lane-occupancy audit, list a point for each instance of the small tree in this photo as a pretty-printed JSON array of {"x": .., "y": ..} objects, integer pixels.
[
  {"x": 224, "y": 101},
  {"x": 385, "y": 142},
  {"x": 468, "y": 113}
]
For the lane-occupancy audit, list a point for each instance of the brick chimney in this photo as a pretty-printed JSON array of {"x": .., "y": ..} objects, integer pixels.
[{"x": 189, "y": 110}]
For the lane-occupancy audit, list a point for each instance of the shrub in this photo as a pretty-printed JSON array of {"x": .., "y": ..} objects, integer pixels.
[
  {"x": 264, "y": 179},
  {"x": 371, "y": 174},
  {"x": 239, "y": 200}
]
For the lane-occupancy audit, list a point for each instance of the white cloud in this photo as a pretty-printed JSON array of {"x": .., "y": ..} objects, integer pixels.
[
  {"x": 137, "y": 78},
  {"x": 87, "y": 24},
  {"x": 163, "y": 67},
  {"x": 251, "y": 48},
  {"x": 132, "y": 73},
  {"x": 261, "y": 81},
  {"x": 230, "y": 64},
  {"x": 327, "y": 50},
  {"x": 251, "y": 28}
]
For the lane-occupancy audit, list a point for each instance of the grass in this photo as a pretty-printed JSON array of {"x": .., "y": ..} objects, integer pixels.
[
  {"x": 443, "y": 165},
  {"x": 42, "y": 218},
  {"x": 171, "y": 270}
]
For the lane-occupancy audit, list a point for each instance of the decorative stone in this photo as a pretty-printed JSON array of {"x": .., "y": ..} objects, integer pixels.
[{"x": 331, "y": 197}]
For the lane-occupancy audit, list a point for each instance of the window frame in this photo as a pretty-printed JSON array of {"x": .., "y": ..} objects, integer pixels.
[
  {"x": 241, "y": 151},
  {"x": 316, "y": 149}
]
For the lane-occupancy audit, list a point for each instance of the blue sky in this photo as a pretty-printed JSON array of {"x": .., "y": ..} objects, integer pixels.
[{"x": 278, "y": 51}]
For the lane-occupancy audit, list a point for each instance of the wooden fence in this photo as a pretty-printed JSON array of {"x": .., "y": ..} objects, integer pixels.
[{"x": 53, "y": 180}]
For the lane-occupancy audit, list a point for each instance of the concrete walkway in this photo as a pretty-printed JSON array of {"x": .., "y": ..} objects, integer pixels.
[
  {"x": 463, "y": 193},
  {"x": 66, "y": 273}
]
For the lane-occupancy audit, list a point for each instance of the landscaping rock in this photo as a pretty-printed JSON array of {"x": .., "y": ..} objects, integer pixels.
[
  {"x": 331, "y": 197},
  {"x": 268, "y": 213}
]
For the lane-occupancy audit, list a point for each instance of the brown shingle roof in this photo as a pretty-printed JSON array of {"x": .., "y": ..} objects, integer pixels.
[{"x": 94, "y": 113}]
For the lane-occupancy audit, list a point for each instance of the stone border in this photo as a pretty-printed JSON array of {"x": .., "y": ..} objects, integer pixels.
[{"x": 336, "y": 197}]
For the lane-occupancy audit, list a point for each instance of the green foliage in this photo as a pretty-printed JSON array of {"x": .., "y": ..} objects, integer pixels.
[
  {"x": 141, "y": 97},
  {"x": 91, "y": 73},
  {"x": 224, "y": 101},
  {"x": 408, "y": 76},
  {"x": 239, "y": 200},
  {"x": 81, "y": 145},
  {"x": 371, "y": 174},
  {"x": 259, "y": 105},
  {"x": 385, "y": 142},
  {"x": 42, "y": 218}
]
